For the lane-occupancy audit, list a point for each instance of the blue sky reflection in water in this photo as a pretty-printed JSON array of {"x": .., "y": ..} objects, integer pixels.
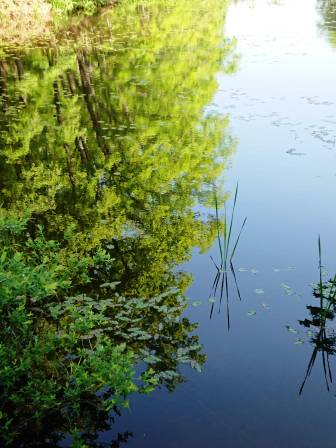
[{"x": 282, "y": 108}]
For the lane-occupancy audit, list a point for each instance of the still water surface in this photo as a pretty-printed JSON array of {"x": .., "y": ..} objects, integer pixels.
[
  {"x": 281, "y": 103},
  {"x": 126, "y": 134}
]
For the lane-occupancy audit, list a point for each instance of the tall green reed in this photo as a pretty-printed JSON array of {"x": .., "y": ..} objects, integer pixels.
[
  {"x": 227, "y": 246},
  {"x": 224, "y": 232}
]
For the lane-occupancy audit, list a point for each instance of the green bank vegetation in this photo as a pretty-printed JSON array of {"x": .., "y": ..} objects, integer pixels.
[{"x": 26, "y": 22}]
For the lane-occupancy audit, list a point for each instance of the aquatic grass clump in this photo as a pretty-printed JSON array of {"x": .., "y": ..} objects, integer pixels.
[
  {"x": 326, "y": 291},
  {"x": 324, "y": 340},
  {"x": 225, "y": 243},
  {"x": 224, "y": 236}
]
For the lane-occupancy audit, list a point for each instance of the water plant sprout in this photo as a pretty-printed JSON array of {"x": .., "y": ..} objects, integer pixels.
[
  {"x": 224, "y": 247},
  {"x": 324, "y": 343},
  {"x": 225, "y": 243}
]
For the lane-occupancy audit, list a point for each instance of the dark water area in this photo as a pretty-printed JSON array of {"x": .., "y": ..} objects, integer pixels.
[{"x": 125, "y": 135}]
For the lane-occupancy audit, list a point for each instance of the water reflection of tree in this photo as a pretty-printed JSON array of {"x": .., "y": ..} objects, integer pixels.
[
  {"x": 327, "y": 10},
  {"x": 322, "y": 335},
  {"x": 111, "y": 142},
  {"x": 95, "y": 421}
]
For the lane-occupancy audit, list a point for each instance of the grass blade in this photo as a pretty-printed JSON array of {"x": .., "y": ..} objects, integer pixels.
[
  {"x": 321, "y": 281},
  {"x": 227, "y": 301},
  {"x": 231, "y": 223},
  {"x": 309, "y": 369},
  {"x": 225, "y": 234},
  {"x": 218, "y": 230},
  {"x": 215, "y": 264},
  {"x": 235, "y": 280},
  {"x": 237, "y": 240}
]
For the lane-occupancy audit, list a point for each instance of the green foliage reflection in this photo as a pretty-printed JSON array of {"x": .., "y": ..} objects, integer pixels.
[
  {"x": 106, "y": 149},
  {"x": 327, "y": 9}
]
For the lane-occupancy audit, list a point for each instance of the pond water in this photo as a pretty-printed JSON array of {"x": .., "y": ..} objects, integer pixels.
[
  {"x": 281, "y": 103},
  {"x": 124, "y": 130}
]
